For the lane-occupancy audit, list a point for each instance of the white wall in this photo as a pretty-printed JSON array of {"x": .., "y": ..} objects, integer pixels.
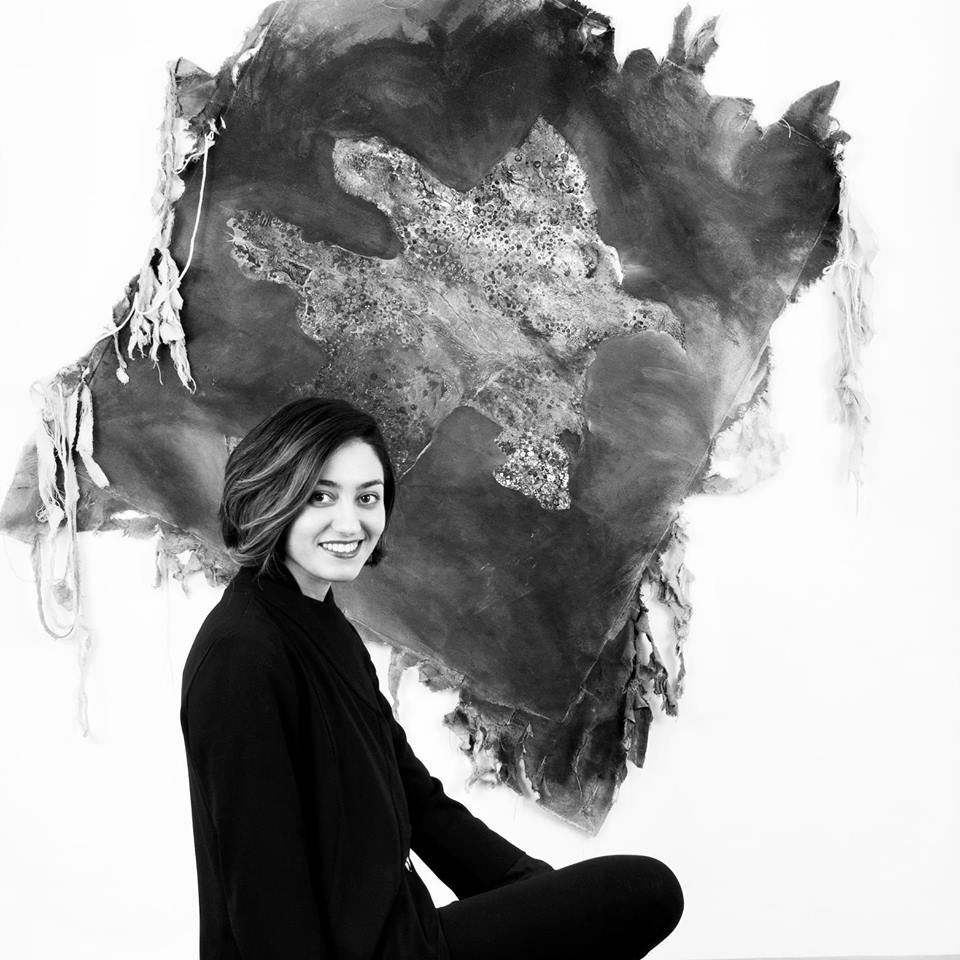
[{"x": 807, "y": 796}]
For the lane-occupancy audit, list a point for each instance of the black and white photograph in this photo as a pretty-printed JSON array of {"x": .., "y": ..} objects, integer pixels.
[{"x": 479, "y": 480}]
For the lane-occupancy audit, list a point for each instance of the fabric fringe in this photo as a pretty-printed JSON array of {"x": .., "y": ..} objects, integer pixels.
[
  {"x": 154, "y": 314},
  {"x": 152, "y": 310},
  {"x": 852, "y": 281},
  {"x": 64, "y": 432},
  {"x": 179, "y": 555},
  {"x": 480, "y": 744},
  {"x": 193, "y": 117}
]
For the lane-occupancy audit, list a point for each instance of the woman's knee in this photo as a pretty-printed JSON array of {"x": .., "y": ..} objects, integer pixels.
[
  {"x": 668, "y": 894},
  {"x": 648, "y": 885}
]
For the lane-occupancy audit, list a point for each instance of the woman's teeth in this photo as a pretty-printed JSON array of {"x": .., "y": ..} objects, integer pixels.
[{"x": 342, "y": 549}]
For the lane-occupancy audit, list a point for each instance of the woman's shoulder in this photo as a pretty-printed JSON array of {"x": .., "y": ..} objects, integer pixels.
[{"x": 237, "y": 639}]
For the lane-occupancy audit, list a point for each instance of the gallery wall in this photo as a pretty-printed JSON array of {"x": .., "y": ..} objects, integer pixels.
[{"x": 807, "y": 795}]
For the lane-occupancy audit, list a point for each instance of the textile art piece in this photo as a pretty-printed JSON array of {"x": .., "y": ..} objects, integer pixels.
[{"x": 550, "y": 277}]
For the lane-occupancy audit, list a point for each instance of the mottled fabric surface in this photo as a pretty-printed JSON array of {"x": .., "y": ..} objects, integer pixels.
[{"x": 549, "y": 276}]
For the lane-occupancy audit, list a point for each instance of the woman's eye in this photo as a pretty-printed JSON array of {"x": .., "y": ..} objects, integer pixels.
[
  {"x": 319, "y": 496},
  {"x": 369, "y": 499}
]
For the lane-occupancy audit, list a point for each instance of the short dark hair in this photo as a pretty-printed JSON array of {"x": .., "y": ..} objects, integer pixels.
[{"x": 272, "y": 472}]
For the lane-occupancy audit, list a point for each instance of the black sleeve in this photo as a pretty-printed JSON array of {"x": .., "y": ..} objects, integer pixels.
[
  {"x": 239, "y": 722},
  {"x": 459, "y": 848}
]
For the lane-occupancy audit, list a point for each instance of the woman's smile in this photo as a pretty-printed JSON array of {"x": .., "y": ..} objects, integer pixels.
[{"x": 340, "y": 548}]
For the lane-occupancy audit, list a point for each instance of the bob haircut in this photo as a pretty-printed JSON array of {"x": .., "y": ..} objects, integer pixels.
[{"x": 272, "y": 472}]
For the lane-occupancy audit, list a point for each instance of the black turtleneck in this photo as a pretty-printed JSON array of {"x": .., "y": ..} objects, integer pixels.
[{"x": 306, "y": 796}]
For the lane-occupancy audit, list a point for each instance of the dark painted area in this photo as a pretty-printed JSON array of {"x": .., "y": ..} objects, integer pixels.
[{"x": 711, "y": 215}]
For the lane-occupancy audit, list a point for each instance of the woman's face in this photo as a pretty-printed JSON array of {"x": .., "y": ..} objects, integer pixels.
[{"x": 335, "y": 533}]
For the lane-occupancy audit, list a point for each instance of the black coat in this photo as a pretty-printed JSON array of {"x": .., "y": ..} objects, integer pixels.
[{"x": 306, "y": 797}]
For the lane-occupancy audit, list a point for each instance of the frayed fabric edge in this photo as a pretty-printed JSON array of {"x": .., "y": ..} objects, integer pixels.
[
  {"x": 667, "y": 575},
  {"x": 665, "y": 580},
  {"x": 153, "y": 318},
  {"x": 748, "y": 448},
  {"x": 65, "y": 404},
  {"x": 153, "y": 309},
  {"x": 64, "y": 433},
  {"x": 852, "y": 281}
]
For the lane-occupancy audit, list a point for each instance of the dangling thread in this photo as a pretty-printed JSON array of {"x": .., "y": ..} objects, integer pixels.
[{"x": 65, "y": 426}]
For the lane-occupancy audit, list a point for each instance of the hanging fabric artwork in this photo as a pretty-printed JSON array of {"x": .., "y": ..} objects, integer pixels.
[{"x": 549, "y": 276}]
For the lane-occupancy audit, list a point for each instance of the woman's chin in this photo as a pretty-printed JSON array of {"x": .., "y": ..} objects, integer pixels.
[{"x": 337, "y": 571}]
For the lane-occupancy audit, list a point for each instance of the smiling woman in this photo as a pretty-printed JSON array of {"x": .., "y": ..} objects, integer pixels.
[
  {"x": 307, "y": 455},
  {"x": 306, "y": 797},
  {"x": 337, "y": 531}
]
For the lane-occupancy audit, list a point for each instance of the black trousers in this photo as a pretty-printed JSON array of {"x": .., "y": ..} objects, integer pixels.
[{"x": 611, "y": 908}]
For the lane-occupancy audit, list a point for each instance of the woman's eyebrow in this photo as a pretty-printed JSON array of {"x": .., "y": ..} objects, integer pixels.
[{"x": 362, "y": 486}]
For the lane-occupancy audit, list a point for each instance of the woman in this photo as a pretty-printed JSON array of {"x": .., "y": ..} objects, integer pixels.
[{"x": 306, "y": 797}]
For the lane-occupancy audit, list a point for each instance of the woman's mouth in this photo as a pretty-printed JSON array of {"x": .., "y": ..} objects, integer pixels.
[{"x": 343, "y": 549}]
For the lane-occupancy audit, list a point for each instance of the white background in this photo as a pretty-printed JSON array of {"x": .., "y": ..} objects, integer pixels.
[{"x": 807, "y": 796}]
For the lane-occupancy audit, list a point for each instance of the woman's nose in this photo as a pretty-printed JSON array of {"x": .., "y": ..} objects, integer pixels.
[{"x": 346, "y": 520}]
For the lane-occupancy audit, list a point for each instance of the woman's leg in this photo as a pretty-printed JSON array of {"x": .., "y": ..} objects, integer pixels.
[{"x": 611, "y": 908}]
